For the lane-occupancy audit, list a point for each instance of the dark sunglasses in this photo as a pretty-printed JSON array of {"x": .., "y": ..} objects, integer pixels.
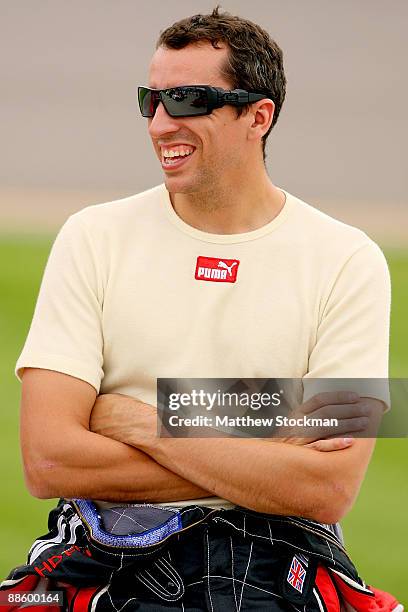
[{"x": 192, "y": 100}]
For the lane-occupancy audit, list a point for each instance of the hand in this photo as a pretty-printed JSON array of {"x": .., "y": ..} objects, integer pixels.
[
  {"x": 122, "y": 418},
  {"x": 354, "y": 414}
]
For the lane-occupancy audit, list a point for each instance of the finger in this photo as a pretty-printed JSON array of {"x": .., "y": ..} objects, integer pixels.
[
  {"x": 329, "y": 398},
  {"x": 332, "y": 444},
  {"x": 342, "y": 411},
  {"x": 342, "y": 428},
  {"x": 349, "y": 426}
]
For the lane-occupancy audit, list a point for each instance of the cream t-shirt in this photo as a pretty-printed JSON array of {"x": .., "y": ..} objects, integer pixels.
[{"x": 119, "y": 305}]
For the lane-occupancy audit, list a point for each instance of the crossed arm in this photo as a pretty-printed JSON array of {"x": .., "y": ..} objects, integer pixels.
[
  {"x": 123, "y": 460},
  {"x": 63, "y": 458},
  {"x": 287, "y": 477}
]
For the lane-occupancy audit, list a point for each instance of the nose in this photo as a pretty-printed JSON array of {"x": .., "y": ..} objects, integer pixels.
[{"x": 162, "y": 123}]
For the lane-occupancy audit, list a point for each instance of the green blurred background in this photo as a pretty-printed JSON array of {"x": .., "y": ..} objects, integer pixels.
[
  {"x": 72, "y": 136},
  {"x": 375, "y": 530}
]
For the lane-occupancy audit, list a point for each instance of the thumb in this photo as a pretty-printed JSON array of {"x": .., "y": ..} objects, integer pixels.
[{"x": 331, "y": 444}]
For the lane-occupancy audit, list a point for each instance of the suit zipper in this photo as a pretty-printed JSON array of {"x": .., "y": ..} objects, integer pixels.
[{"x": 325, "y": 535}]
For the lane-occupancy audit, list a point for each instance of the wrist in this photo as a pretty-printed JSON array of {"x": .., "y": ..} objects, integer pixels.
[{"x": 143, "y": 434}]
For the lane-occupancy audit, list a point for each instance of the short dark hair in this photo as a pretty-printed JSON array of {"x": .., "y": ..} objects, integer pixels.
[{"x": 255, "y": 60}]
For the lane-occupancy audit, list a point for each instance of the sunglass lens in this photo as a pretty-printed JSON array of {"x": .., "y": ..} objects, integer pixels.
[
  {"x": 148, "y": 101},
  {"x": 185, "y": 101}
]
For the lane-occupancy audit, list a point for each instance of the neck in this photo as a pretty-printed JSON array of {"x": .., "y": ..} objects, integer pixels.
[{"x": 231, "y": 208}]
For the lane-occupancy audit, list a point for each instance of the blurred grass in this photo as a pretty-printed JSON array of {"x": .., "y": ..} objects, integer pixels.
[{"x": 376, "y": 529}]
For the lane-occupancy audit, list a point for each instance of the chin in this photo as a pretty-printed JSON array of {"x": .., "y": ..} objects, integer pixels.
[{"x": 178, "y": 185}]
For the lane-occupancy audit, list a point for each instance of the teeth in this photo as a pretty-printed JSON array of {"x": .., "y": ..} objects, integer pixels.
[{"x": 176, "y": 153}]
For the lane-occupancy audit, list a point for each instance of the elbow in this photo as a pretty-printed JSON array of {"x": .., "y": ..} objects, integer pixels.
[
  {"x": 337, "y": 500},
  {"x": 41, "y": 479},
  {"x": 329, "y": 515},
  {"x": 40, "y": 491}
]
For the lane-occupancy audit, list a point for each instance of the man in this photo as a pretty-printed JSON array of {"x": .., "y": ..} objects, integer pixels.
[{"x": 126, "y": 299}]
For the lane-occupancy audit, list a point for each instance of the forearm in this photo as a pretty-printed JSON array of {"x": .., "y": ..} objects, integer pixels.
[
  {"x": 92, "y": 466},
  {"x": 275, "y": 478},
  {"x": 264, "y": 475}
]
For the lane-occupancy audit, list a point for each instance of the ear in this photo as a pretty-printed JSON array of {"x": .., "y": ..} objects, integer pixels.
[{"x": 261, "y": 114}]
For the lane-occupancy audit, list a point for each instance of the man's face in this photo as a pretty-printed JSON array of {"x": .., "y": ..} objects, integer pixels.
[{"x": 217, "y": 141}]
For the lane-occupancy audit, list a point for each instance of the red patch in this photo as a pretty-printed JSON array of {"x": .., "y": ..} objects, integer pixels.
[{"x": 216, "y": 270}]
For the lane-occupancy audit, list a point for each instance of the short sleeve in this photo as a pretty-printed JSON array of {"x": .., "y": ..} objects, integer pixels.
[
  {"x": 353, "y": 333},
  {"x": 66, "y": 330}
]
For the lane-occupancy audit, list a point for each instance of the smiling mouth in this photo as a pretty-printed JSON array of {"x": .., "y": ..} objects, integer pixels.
[{"x": 171, "y": 159}]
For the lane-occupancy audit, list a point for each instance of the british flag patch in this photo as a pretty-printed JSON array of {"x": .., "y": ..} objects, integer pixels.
[{"x": 296, "y": 575}]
